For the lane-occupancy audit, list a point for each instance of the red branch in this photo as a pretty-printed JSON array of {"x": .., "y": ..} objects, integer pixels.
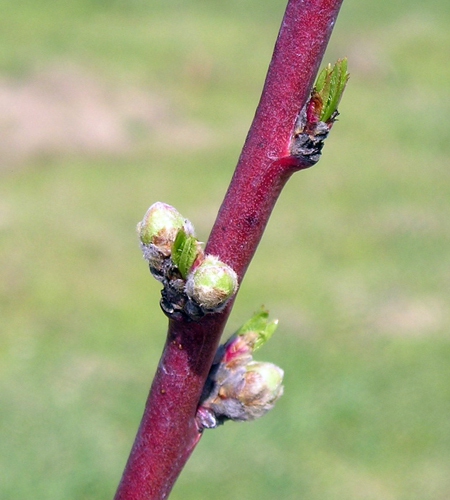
[{"x": 168, "y": 431}]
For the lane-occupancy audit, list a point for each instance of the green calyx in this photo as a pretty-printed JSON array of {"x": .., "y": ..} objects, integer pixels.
[
  {"x": 330, "y": 85},
  {"x": 211, "y": 283},
  {"x": 185, "y": 249},
  {"x": 160, "y": 225},
  {"x": 259, "y": 323}
]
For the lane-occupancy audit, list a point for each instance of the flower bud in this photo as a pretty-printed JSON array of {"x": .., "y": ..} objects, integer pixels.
[
  {"x": 249, "y": 392},
  {"x": 238, "y": 349},
  {"x": 211, "y": 284},
  {"x": 262, "y": 385},
  {"x": 160, "y": 226},
  {"x": 238, "y": 388}
]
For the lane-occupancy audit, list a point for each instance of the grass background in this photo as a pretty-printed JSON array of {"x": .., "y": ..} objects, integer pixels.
[{"x": 112, "y": 105}]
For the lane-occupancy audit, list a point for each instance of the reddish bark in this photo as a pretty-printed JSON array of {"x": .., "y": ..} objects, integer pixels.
[{"x": 168, "y": 432}]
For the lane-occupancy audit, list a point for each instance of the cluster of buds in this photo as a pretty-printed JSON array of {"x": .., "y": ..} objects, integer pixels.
[
  {"x": 320, "y": 112},
  {"x": 239, "y": 388},
  {"x": 194, "y": 283}
]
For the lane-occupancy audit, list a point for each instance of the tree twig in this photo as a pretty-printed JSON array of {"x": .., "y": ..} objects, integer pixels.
[{"x": 168, "y": 431}]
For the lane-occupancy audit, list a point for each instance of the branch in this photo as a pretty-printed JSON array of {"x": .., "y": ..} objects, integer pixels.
[{"x": 168, "y": 431}]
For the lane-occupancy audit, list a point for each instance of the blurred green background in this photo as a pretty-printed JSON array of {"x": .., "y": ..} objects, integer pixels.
[{"x": 108, "y": 106}]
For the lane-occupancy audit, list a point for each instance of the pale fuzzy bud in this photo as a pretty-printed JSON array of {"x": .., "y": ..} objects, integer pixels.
[
  {"x": 249, "y": 392},
  {"x": 262, "y": 384},
  {"x": 211, "y": 284},
  {"x": 160, "y": 226},
  {"x": 238, "y": 388}
]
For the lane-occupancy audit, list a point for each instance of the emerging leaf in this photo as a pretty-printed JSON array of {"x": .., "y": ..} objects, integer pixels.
[
  {"x": 184, "y": 251},
  {"x": 329, "y": 87},
  {"x": 259, "y": 324}
]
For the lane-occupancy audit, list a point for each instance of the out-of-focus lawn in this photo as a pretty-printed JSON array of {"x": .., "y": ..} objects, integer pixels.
[{"x": 110, "y": 106}]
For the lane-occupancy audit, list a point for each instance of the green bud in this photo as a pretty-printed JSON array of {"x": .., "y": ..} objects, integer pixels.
[
  {"x": 160, "y": 226},
  {"x": 211, "y": 284}
]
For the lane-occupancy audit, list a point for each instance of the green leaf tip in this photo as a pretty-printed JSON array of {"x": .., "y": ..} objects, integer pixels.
[
  {"x": 329, "y": 87},
  {"x": 260, "y": 324},
  {"x": 185, "y": 249}
]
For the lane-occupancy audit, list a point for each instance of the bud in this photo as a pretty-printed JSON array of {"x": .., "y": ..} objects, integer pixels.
[
  {"x": 211, "y": 284},
  {"x": 328, "y": 89},
  {"x": 258, "y": 329},
  {"x": 318, "y": 115},
  {"x": 237, "y": 387},
  {"x": 238, "y": 349},
  {"x": 262, "y": 385},
  {"x": 160, "y": 226},
  {"x": 249, "y": 393}
]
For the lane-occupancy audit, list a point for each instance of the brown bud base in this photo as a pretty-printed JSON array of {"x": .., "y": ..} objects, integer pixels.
[
  {"x": 308, "y": 147},
  {"x": 174, "y": 302},
  {"x": 309, "y": 135}
]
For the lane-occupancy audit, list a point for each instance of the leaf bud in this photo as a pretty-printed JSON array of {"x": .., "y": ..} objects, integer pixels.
[
  {"x": 258, "y": 329},
  {"x": 328, "y": 89},
  {"x": 185, "y": 251}
]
